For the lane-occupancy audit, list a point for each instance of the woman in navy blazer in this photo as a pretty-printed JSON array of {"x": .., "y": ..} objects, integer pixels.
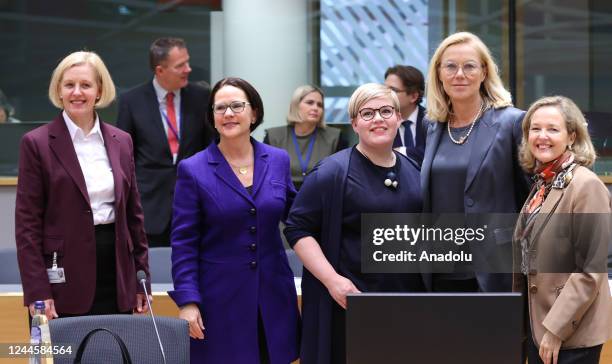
[
  {"x": 471, "y": 159},
  {"x": 232, "y": 280},
  {"x": 78, "y": 220}
]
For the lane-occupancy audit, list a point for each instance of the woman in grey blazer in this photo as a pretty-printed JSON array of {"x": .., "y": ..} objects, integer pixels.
[
  {"x": 470, "y": 163},
  {"x": 306, "y": 137}
]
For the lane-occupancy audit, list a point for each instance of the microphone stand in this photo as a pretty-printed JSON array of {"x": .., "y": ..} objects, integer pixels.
[{"x": 161, "y": 347}]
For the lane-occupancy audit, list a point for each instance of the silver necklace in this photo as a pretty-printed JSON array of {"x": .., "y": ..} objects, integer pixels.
[{"x": 464, "y": 138}]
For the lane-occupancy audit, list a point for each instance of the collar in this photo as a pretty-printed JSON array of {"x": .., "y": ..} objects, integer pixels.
[
  {"x": 414, "y": 116},
  {"x": 73, "y": 128},
  {"x": 161, "y": 92}
]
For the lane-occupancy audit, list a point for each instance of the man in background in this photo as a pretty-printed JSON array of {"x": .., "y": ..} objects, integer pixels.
[
  {"x": 409, "y": 85},
  {"x": 166, "y": 118}
]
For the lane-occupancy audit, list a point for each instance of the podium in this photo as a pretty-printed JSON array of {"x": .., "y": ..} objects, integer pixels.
[{"x": 434, "y": 328}]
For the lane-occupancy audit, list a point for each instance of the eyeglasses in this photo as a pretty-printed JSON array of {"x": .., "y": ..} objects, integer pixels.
[
  {"x": 385, "y": 112},
  {"x": 469, "y": 68},
  {"x": 235, "y": 106}
]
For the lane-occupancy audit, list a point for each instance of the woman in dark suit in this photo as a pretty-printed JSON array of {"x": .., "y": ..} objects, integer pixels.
[
  {"x": 230, "y": 271},
  {"x": 78, "y": 219},
  {"x": 306, "y": 137},
  {"x": 471, "y": 159},
  {"x": 562, "y": 238},
  {"x": 324, "y": 226}
]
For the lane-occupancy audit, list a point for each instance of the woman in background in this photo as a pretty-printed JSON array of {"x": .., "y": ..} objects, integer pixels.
[
  {"x": 232, "y": 280},
  {"x": 562, "y": 238},
  {"x": 306, "y": 137}
]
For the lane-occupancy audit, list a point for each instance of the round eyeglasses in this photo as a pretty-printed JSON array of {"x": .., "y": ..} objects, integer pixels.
[
  {"x": 469, "y": 68},
  {"x": 385, "y": 112},
  {"x": 235, "y": 106}
]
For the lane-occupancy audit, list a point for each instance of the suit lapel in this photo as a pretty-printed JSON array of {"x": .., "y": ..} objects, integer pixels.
[
  {"x": 421, "y": 132},
  {"x": 157, "y": 129},
  {"x": 224, "y": 172},
  {"x": 483, "y": 138},
  {"x": 261, "y": 166},
  {"x": 434, "y": 134},
  {"x": 112, "y": 146},
  {"x": 185, "y": 122},
  {"x": 61, "y": 145},
  {"x": 548, "y": 207}
]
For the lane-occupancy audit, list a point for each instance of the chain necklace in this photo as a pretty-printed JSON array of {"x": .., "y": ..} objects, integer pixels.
[
  {"x": 463, "y": 139},
  {"x": 241, "y": 170}
]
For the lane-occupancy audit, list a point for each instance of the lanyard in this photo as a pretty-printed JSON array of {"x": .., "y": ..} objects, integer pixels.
[
  {"x": 304, "y": 164},
  {"x": 170, "y": 127}
]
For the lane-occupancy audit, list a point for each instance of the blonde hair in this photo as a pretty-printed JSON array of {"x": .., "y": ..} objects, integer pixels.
[
  {"x": 492, "y": 89},
  {"x": 103, "y": 78},
  {"x": 367, "y": 92},
  {"x": 582, "y": 148},
  {"x": 294, "y": 107}
]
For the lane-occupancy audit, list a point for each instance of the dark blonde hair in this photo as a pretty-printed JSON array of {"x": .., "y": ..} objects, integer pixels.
[
  {"x": 294, "y": 107},
  {"x": 367, "y": 92},
  {"x": 582, "y": 148}
]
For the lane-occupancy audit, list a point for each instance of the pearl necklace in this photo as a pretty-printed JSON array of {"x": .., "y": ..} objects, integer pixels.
[{"x": 463, "y": 139}]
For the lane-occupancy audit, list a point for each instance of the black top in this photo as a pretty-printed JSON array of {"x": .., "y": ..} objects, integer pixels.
[
  {"x": 449, "y": 171},
  {"x": 365, "y": 192}
]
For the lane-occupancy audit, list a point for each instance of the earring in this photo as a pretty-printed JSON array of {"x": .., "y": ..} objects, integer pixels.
[{"x": 569, "y": 146}]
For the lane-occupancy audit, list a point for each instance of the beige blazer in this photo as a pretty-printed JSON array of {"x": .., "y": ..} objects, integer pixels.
[{"x": 573, "y": 304}]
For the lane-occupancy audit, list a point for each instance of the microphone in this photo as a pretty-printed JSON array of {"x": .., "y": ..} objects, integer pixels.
[{"x": 142, "y": 279}]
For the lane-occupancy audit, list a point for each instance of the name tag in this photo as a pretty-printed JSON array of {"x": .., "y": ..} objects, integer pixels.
[{"x": 56, "y": 275}]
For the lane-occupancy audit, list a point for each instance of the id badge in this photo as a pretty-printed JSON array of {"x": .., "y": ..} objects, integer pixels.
[{"x": 56, "y": 275}]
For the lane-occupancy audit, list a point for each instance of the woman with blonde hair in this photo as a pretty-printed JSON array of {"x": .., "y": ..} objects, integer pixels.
[
  {"x": 79, "y": 223},
  {"x": 471, "y": 160},
  {"x": 306, "y": 137},
  {"x": 561, "y": 238}
]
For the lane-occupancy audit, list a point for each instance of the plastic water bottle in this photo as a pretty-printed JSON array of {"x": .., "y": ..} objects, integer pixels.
[{"x": 39, "y": 335}]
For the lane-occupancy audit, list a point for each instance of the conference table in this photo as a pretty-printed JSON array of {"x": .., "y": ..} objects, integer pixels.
[{"x": 14, "y": 324}]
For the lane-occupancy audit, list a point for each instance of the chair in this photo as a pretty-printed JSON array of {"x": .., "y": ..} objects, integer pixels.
[
  {"x": 294, "y": 262},
  {"x": 160, "y": 264},
  {"x": 136, "y": 331},
  {"x": 9, "y": 270}
]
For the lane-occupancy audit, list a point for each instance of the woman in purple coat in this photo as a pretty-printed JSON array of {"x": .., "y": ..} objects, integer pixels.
[{"x": 232, "y": 281}]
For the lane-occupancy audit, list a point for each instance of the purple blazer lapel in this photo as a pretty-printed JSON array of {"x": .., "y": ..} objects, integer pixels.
[
  {"x": 261, "y": 166},
  {"x": 224, "y": 172},
  {"x": 62, "y": 147},
  {"x": 113, "y": 150}
]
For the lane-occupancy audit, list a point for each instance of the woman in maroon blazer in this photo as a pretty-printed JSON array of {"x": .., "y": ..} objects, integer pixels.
[{"x": 78, "y": 218}]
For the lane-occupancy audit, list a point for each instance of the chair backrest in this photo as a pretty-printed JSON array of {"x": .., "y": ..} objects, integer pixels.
[
  {"x": 160, "y": 264},
  {"x": 9, "y": 269},
  {"x": 136, "y": 331},
  {"x": 294, "y": 262}
]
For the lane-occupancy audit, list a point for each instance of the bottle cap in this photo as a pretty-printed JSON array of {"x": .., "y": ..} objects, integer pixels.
[{"x": 39, "y": 305}]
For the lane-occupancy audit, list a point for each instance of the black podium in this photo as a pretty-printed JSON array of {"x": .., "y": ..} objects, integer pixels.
[{"x": 434, "y": 328}]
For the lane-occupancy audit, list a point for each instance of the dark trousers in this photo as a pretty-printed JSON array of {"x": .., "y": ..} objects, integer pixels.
[
  {"x": 160, "y": 240},
  {"x": 568, "y": 356},
  {"x": 105, "y": 299}
]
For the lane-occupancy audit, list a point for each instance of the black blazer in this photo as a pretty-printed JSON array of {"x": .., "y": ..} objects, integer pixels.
[
  {"x": 139, "y": 115},
  {"x": 495, "y": 182},
  {"x": 418, "y": 151}
]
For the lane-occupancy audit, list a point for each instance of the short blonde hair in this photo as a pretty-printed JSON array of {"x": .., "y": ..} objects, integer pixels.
[
  {"x": 294, "y": 107},
  {"x": 103, "y": 78},
  {"x": 492, "y": 89},
  {"x": 367, "y": 92},
  {"x": 583, "y": 149}
]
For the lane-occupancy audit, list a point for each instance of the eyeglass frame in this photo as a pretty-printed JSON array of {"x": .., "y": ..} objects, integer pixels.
[
  {"x": 229, "y": 106},
  {"x": 375, "y": 112},
  {"x": 461, "y": 67}
]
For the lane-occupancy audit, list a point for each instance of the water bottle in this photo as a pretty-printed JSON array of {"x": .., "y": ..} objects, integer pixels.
[{"x": 40, "y": 336}]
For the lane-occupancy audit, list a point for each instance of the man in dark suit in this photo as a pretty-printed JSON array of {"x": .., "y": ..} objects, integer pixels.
[
  {"x": 166, "y": 118},
  {"x": 409, "y": 85}
]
